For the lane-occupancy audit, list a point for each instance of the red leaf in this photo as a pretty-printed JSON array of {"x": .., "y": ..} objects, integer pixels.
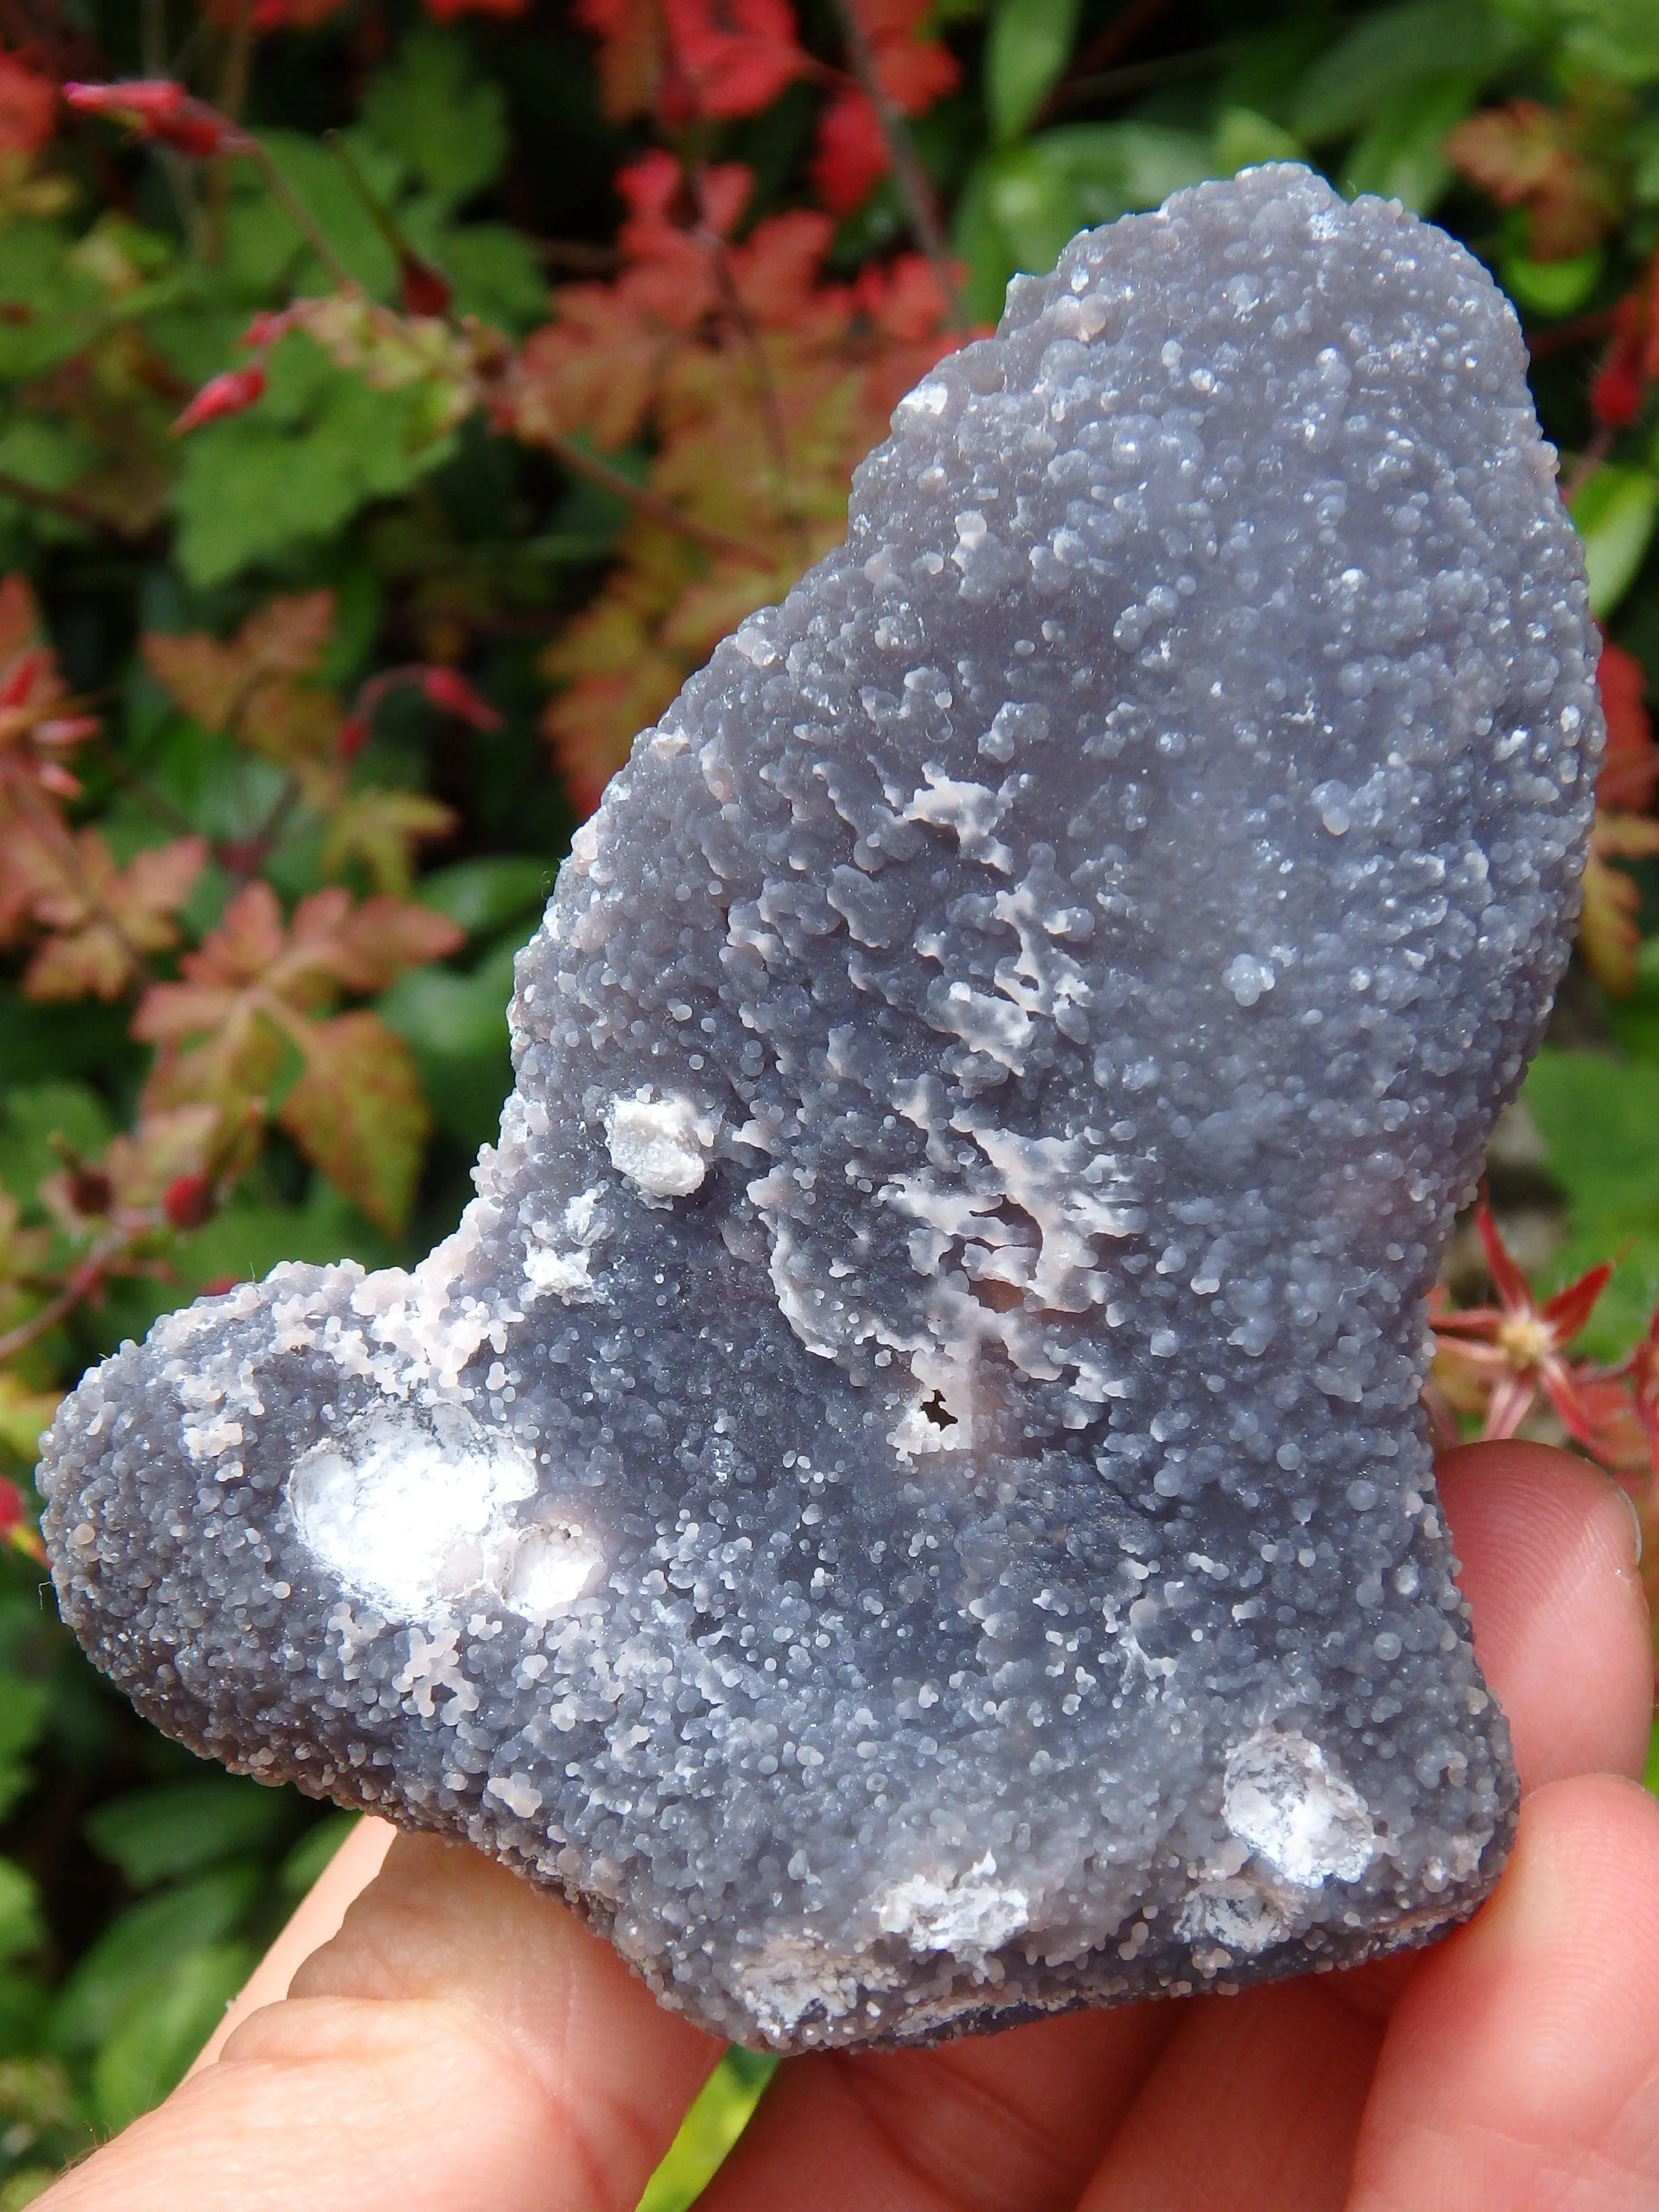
[
  {"x": 1630, "y": 766},
  {"x": 156, "y": 108},
  {"x": 736, "y": 56},
  {"x": 852, "y": 156},
  {"x": 231, "y": 393},
  {"x": 28, "y": 108},
  {"x": 281, "y": 14}
]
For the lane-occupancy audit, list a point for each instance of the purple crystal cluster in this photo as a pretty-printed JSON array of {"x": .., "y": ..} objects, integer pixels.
[{"x": 905, "y": 1497}]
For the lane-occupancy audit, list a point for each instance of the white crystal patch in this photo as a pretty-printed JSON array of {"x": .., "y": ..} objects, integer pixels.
[
  {"x": 1284, "y": 1798},
  {"x": 1242, "y": 1915},
  {"x": 660, "y": 1145},
  {"x": 413, "y": 1516},
  {"x": 970, "y": 1914}
]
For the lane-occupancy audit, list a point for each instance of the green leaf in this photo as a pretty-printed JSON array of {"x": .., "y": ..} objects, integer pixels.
[
  {"x": 55, "y": 307},
  {"x": 1244, "y": 138},
  {"x": 149, "y": 2051},
  {"x": 137, "y": 1950},
  {"x": 482, "y": 897},
  {"x": 24, "y": 1707},
  {"x": 1400, "y": 155},
  {"x": 296, "y": 469},
  {"x": 35, "y": 1113},
  {"x": 456, "y": 1027},
  {"x": 1388, "y": 53},
  {"x": 182, "y": 1827},
  {"x": 1618, "y": 38},
  {"x": 46, "y": 454},
  {"x": 21, "y": 1929},
  {"x": 1614, "y": 512},
  {"x": 320, "y": 180},
  {"x": 495, "y": 272},
  {"x": 1552, "y": 287},
  {"x": 449, "y": 125},
  {"x": 1029, "y": 45},
  {"x": 1021, "y": 206},
  {"x": 247, "y": 1240},
  {"x": 1597, "y": 1117},
  {"x": 722, "y": 2111}
]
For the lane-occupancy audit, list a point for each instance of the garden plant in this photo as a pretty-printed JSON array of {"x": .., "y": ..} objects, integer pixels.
[{"x": 398, "y": 401}]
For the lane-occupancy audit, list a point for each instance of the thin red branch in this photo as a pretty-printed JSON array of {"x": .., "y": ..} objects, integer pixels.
[{"x": 915, "y": 187}]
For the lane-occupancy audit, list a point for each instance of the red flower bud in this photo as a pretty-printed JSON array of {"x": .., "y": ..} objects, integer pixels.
[
  {"x": 1615, "y": 396},
  {"x": 16, "y": 1528},
  {"x": 90, "y": 1192},
  {"x": 452, "y": 694},
  {"x": 189, "y": 1201},
  {"x": 157, "y": 108},
  {"x": 231, "y": 393},
  {"x": 425, "y": 290},
  {"x": 354, "y": 736}
]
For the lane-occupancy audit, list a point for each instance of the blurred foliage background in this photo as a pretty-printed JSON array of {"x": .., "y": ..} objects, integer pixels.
[{"x": 397, "y": 401}]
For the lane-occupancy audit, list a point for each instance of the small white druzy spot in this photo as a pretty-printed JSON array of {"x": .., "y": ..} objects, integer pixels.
[
  {"x": 1242, "y": 1915},
  {"x": 544, "y": 1569},
  {"x": 661, "y": 1146},
  {"x": 1284, "y": 1798},
  {"x": 1247, "y": 978},
  {"x": 402, "y": 1510},
  {"x": 517, "y": 1792},
  {"x": 561, "y": 1275},
  {"x": 969, "y": 1915}
]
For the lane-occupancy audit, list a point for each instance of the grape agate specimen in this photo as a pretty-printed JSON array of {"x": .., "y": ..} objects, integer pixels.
[{"x": 905, "y": 1496}]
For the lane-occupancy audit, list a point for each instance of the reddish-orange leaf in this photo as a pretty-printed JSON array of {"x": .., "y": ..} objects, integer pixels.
[
  {"x": 1609, "y": 935},
  {"x": 365, "y": 948},
  {"x": 103, "y": 919},
  {"x": 1550, "y": 161},
  {"x": 631, "y": 54},
  {"x": 734, "y": 56},
  {"x": 1630, "y": 766},
  {"x": 380, "y": 830},
  {"x": 357, "y": 1114},
  {"x": 28, "y": 109},
  {"x": 215, "y": 680}
]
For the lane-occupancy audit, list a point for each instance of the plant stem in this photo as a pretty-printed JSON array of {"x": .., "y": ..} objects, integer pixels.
[
  {"x": 83, "y": 1281},
  {"x": 648, "y": 503},
  {"x": 380, "y": 216},
  {"x": 1586, "y": 465},
  {"x": 300, "y": 215},
  {"x": 54, "y": 502},
  {"x": 915, "y": 187}
]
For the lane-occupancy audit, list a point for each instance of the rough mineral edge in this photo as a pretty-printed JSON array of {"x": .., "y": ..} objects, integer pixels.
[{"x": 905, "y": 1497}]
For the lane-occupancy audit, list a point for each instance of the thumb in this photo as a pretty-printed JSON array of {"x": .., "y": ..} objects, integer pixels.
[{"x": 461, "y": 2045}]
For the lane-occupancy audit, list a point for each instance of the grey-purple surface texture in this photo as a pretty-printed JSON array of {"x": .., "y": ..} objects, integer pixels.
[{"x": 905, "y": 1497}]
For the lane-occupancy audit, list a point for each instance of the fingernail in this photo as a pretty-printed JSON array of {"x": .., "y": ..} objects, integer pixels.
[{"x": 1630, "y": 1506}]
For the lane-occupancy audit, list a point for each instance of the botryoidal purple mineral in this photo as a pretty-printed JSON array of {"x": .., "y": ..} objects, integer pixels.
[{"x": 905, "y": 1496}]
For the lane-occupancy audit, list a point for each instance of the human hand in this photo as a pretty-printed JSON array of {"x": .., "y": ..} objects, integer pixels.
[{"x": 462, "y": 2044}]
